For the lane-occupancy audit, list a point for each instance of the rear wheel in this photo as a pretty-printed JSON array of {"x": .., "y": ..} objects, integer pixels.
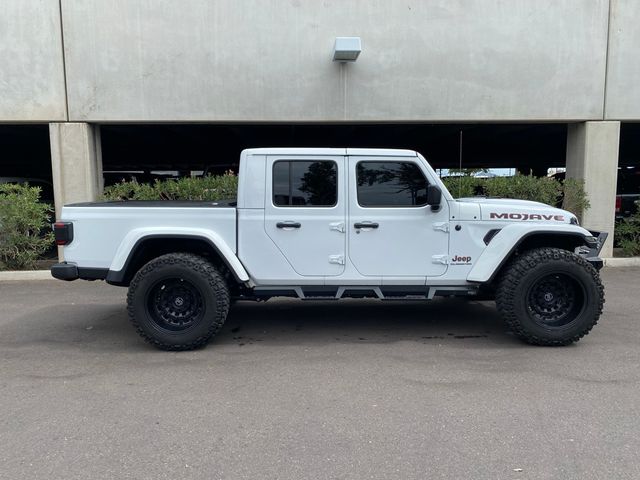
[
  {"x": 178, "y": 301},
  {"x": 550, "y": 296}
]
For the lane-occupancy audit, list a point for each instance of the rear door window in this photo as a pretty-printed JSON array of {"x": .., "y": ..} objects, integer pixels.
[{"x": 298, "y": 183}]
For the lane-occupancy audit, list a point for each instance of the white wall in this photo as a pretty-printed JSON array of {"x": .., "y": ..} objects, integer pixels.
[
  {"x": 270, "y": 60},
  {"x": 135, "y": 60},
  {"x": 31, "y": 70},
  {"x": 623, "y": 79}
]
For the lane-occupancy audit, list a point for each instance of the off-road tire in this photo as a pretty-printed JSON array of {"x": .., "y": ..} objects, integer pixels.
[
  {"x": 199, "y": 280},
  {"x": 519, "y": 306}
]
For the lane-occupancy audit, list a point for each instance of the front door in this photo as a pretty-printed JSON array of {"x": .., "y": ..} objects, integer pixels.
[
  {"x": 392, "y": 231},
  {"x": 305, "y": 212}
]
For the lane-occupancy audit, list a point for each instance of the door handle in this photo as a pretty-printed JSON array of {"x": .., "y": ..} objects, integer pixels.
[
  {"x": 365, "y": 225},
  {"x": 288, "y": 225}
]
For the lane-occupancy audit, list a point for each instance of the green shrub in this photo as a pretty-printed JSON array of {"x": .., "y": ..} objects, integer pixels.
[
  {"x": 464, "y": 186},
  {"x": 575, "y": 197},
  {"x": 130, "y": 191},
  {"x": 525, "y": 187},
  {"x": 24, "y": 226},
  {"x": 209, "y": 188},
  {"x": 627, "y": 234}
]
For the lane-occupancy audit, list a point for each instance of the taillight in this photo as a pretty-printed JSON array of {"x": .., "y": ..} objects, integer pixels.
[
  {"x": 63, "y": 232},
  {"x": 618, "y": 204}
]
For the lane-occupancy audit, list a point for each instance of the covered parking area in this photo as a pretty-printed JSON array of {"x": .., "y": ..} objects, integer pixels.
[
  {"x": 528, "y": 147},
  {"x": 25, "y": 155}
]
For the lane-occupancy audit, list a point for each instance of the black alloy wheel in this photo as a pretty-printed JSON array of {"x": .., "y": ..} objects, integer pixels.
[
  {"x": 175, "y": 304},
  {"x": 556, "y": 300}
]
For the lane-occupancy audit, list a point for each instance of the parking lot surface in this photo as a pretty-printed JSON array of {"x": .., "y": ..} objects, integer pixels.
[{"x": 332, "y": 390}]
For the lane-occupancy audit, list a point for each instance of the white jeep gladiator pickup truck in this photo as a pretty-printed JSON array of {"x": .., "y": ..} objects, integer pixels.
[{"x": 334, "y": 223}]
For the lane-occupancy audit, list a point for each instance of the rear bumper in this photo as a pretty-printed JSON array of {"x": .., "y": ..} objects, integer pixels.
[
  {"x": 70, "y": 271},
  {"x": 65, "y": 271}
]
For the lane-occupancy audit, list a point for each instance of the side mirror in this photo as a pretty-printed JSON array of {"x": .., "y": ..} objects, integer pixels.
[{"x": 434, "y": 196}]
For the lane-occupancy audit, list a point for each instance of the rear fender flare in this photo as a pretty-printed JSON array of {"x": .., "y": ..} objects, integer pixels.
[{"x": 135, "y": 237}]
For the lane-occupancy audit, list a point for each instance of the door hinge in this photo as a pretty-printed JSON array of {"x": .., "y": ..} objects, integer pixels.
[
  {"x": 441, "y": 226},
  {"x": 337, "y": 227},
  {"x": 336, "y": 259},
  {"x": 443, "y": 259}
]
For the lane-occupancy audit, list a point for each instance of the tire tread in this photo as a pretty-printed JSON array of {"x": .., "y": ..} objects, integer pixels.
[
  {"x": 513, "y": 273},
  {"x": 216, "y": 282}
]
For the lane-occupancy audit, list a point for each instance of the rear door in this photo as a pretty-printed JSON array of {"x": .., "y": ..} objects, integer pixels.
[
  {"x": 392, "y": 231},
  {"x": 305, "y": 212}
]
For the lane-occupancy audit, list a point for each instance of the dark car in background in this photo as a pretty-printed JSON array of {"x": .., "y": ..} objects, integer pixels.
[{"x": 628, "y": 191}]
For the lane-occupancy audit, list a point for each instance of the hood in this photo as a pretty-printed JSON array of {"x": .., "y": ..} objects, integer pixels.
[{"x": 508, "y": 210}]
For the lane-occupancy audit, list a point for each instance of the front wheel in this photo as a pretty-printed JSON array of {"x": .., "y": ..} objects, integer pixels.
[
  {"x": 550, "y": 296},
  {"x": 178, "y": 301}
]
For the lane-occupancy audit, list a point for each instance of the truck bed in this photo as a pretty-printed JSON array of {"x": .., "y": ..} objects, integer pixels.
[{"x": 105, "y": 232}]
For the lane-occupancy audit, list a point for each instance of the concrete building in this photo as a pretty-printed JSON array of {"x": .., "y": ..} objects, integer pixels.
[{"x": 532, "y": 82}]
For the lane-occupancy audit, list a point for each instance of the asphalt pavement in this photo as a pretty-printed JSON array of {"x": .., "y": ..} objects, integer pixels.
[{"x": 355, "y": 389}]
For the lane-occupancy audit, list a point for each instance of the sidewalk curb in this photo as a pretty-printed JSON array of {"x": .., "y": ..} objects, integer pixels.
[
  {"x": 622, "y": 262},
  {"x": 21, "y": 276}
]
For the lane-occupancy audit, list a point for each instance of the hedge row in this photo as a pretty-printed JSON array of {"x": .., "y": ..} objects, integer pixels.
[
  {"x": 568, "y": 194},
  {"x": 209, "y": 188}
]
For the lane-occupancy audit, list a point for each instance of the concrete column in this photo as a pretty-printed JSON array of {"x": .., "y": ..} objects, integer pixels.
[
  {"x": 592, "y": 155},
  {"x": 76, "y": 163}
]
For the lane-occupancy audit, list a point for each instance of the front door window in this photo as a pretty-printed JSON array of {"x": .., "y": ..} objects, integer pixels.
[{"x": 391, "y": 184}]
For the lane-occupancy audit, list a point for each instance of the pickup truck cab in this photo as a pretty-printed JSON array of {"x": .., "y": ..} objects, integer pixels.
[{"x": 334, "y": 223}]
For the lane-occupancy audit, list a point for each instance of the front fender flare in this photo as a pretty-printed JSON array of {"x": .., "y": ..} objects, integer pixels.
[{"x": 504, "y": 243}]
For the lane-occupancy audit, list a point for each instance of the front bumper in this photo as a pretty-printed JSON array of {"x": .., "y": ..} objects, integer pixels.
[{"x": 591, "y": 251}]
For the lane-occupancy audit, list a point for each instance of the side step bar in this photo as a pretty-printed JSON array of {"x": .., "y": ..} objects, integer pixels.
[{"x": 336, "y": 293}]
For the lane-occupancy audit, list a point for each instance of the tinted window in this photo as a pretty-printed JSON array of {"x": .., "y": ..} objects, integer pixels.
[
  {"x": 298, "y": 183},
  {"x": 391, "y": 184}
]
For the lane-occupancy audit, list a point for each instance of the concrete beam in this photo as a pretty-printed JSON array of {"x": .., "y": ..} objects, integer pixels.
[
  {"x": 32, "y": 86},
  {"x": 76, "y": 163},
  {"x": 592, "y": 155}
]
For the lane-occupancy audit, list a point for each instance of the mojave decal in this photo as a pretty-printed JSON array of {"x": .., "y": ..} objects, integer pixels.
[{"x": 527, "y": 216}]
